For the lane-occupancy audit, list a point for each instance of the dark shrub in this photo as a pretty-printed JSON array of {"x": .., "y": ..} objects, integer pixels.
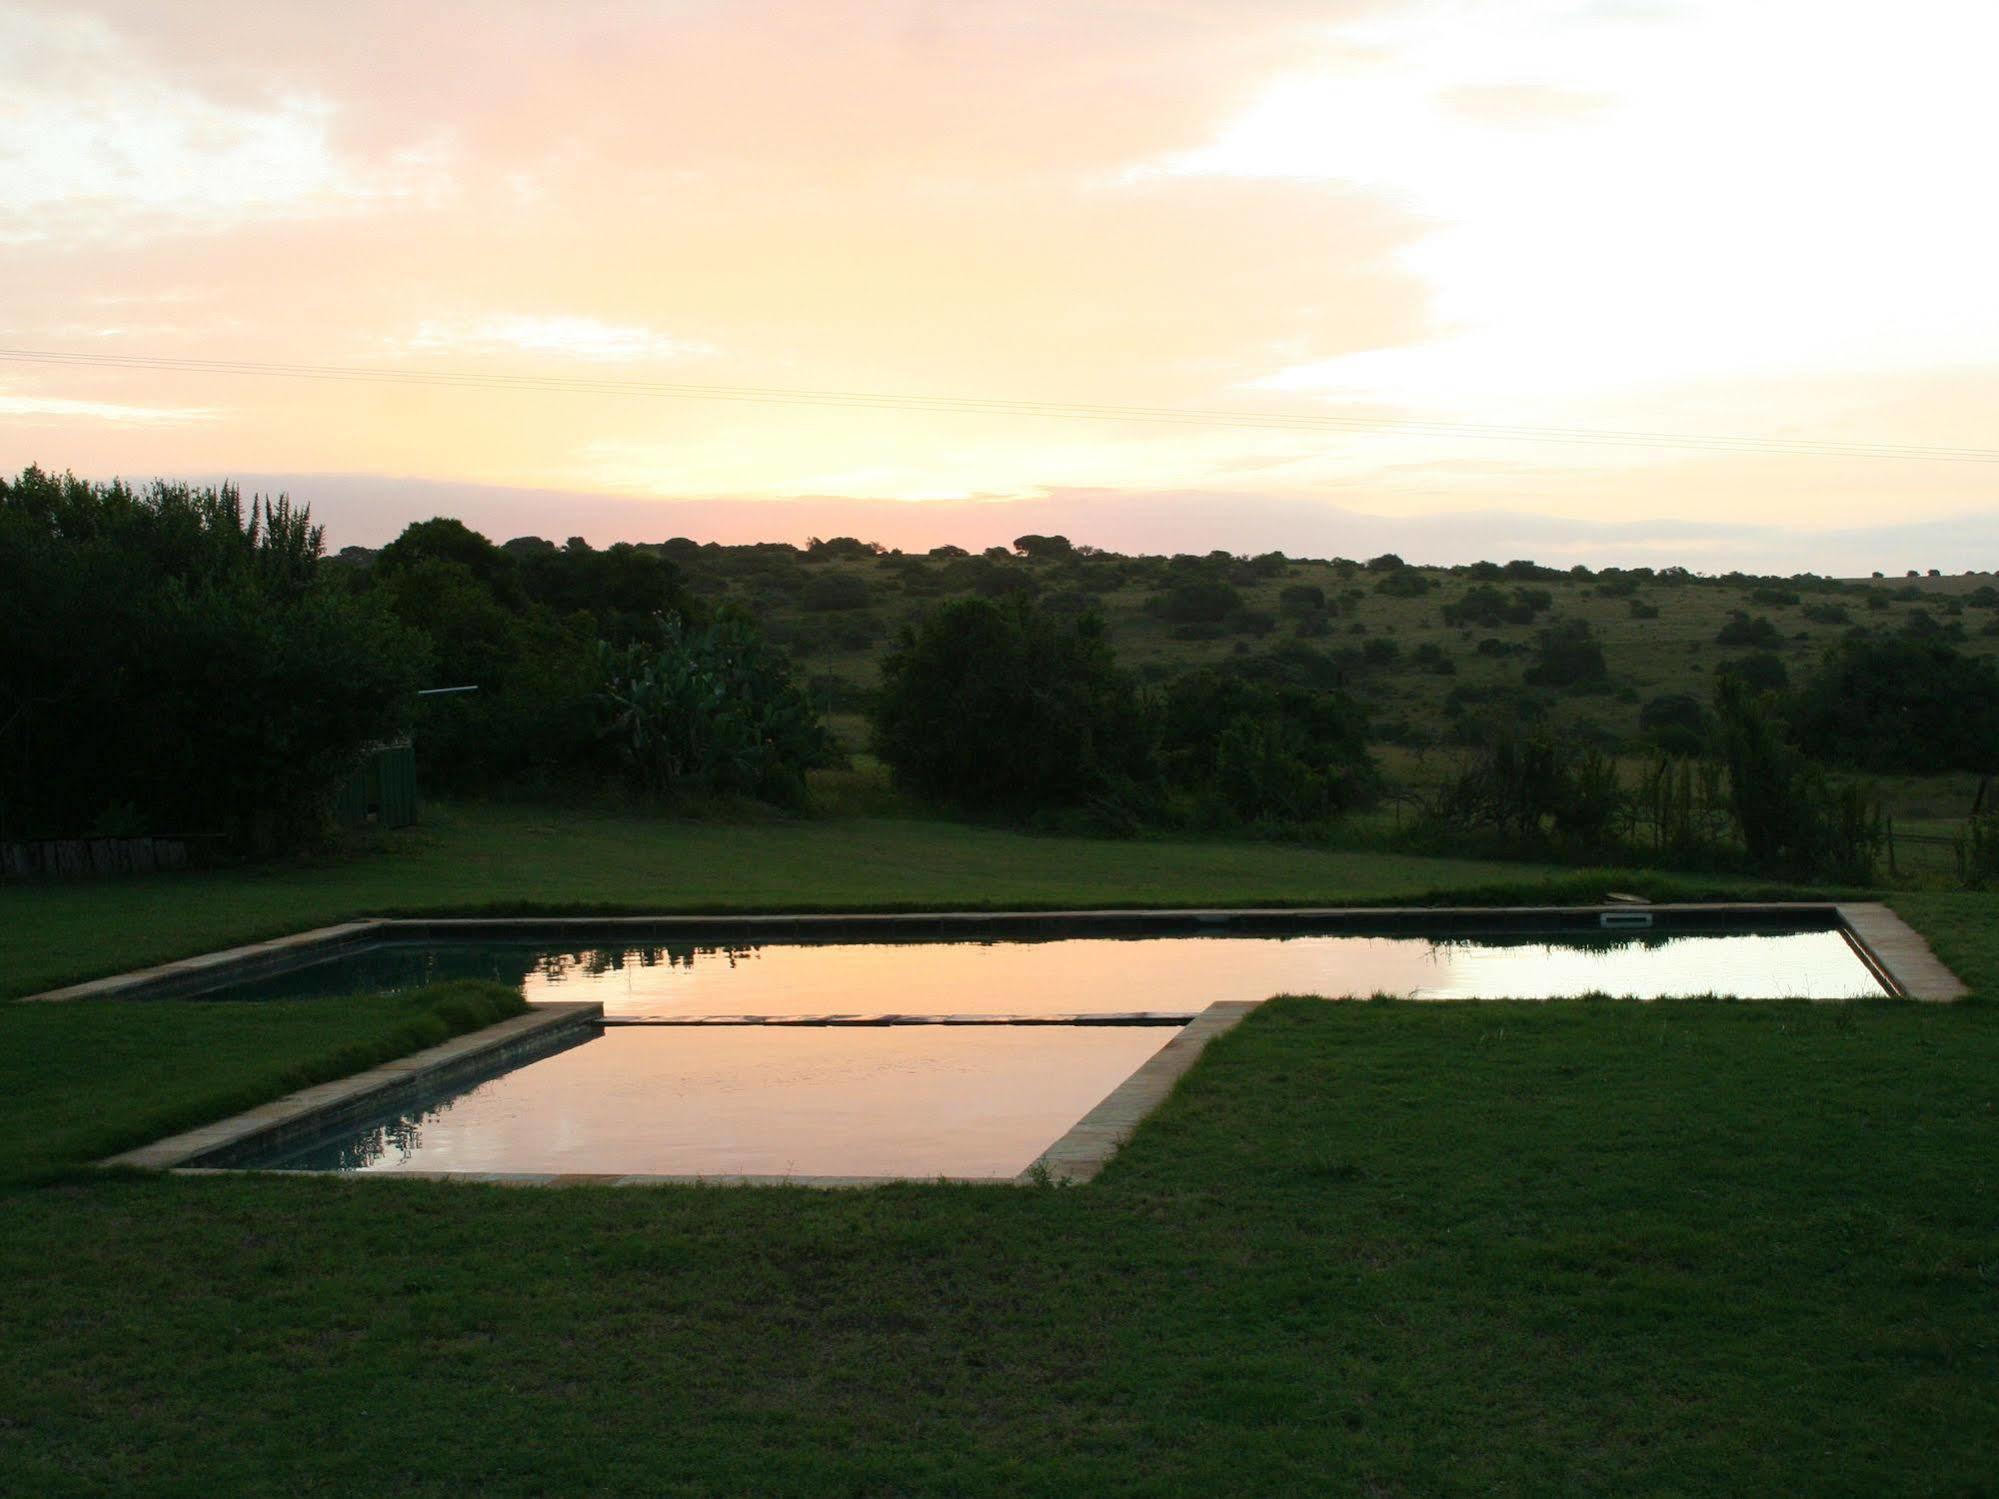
[
  {"x": 1197, "y": 601},
  {"x": 1676, "y": 723},
  {"x": 1759, "y": 671},
  {"x": 1001, "y": 708},
  {"x": 1741, "y": 630},
  {"x": 1897, "y": 705},
  {"x": 1404, "y": 583},
  {"x": 1260, "y": 752},
  {"x": 1567, "y": 654},
  {"x": 829, "y": 591}
]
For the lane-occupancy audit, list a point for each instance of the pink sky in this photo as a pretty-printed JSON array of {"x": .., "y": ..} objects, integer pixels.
[{"x": 1702, "y": 217}]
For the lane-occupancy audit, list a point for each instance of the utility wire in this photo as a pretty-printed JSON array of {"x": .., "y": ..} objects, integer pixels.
[{"x": 1064, "y": 410}]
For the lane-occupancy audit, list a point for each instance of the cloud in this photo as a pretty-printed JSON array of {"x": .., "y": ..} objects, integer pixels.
[
  {"x": 565, "y": 337},
  {"x": 61, "y": 408},
  {"x": 96, "y": 143},
  {"x": 1522, "y": 105}
]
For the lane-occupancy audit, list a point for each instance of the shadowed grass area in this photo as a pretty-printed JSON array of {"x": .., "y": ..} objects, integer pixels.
[
  {"x": 83, "y": 1081},
  {"x": 511, "y": 859}
]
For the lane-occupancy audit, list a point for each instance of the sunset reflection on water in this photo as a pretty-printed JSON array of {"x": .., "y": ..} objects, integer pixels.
[{"x": 1182, "y": 975}]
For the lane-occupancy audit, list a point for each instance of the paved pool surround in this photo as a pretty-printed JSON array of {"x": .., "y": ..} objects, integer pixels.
[{"x": 1892, "y": 950}]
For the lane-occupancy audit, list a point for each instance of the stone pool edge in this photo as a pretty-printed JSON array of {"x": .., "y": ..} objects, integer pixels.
[
  {"x": 1897, "y": 952},
  {"x": 1092, "y": 1140},
  {"x": 309, "y": 1107}
]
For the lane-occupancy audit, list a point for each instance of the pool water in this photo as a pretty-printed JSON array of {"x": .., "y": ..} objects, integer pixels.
[
  {"x": 911, "y": 1101},
  {"x": 1169, "y": 975},
  {"x": 685, "y": 1076}
]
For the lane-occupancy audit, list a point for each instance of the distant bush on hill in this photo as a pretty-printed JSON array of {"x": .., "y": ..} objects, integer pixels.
[
  {"x": 1741, "y": 630},
  {"x": 1405, "y": 583},
  {"x": 1759, "y": 671},
  {"x": 829, "y": 591},
  {"x": 1196, "y": 601},
  {"x": 1567, "y": 654},
  {"x": 1489, "y": 606}
]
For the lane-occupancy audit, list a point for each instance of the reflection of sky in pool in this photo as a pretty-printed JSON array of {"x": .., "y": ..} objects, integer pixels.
[
  {"x": 1098, "y": 975},
  {"x": 920, "y": 1101}
]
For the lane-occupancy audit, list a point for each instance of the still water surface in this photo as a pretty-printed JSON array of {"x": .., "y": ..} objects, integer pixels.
[
  {"x": 1097, "y": 975},
  {"x": 925, "y": 1100},
  {"x": 918, "y": 1101}
]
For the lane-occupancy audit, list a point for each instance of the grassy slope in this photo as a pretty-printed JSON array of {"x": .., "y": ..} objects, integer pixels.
[
  {"x": 512, "y": 857},
  {"x": 1675, "y": 653}
]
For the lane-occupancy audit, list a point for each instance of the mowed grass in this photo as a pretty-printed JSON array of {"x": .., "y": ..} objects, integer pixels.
[
  {"x": 1590, "y": 1247},
  {"x": 84, "y": 1081},
  {"x": 1391, "y": 1248},
  {"x": 490, "y": 858}
]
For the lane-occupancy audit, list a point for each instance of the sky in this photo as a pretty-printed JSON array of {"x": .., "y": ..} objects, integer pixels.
[{"x": 1360, "y": 228}]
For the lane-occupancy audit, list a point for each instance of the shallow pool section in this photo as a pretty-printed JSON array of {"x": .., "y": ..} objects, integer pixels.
[
  {"x": 765, "y": 1101},
  {"x": 1092, "y": 975}
]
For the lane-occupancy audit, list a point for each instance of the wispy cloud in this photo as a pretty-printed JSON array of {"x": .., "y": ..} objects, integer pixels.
[
  {"x": 97, "y": 143},
  {"x": 62, "y": 408},
  {"x": 584, "y": 338}
]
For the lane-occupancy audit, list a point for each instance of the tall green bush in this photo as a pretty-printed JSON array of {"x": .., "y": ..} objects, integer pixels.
[
  {"x": 177, "y": 665},
  {"x": 712, "y": 709},
  {"x": 1005, "y": 708}
]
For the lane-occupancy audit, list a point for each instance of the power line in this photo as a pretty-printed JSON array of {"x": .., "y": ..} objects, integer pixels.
[{"x": 967, "y": 405}]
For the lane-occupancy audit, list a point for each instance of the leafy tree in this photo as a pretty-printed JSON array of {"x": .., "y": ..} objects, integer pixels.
[
  {"x": 1894, "y": 704},
  {"x": 1042, "y": 548},
  {"x": 1003, "y": 708},
  {"x": 1259, "y": 752},
  {"x": 1676, "y": 723},
  {"x": 1793, "y": 819},
  {"x": 174, "y": 665},
  {"x": 709, "y": 708}
]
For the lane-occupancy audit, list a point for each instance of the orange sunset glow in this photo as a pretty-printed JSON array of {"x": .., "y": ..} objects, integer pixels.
[{"x": 1737, "y": 252}]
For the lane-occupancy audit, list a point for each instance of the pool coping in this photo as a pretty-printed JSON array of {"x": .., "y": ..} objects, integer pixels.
[
  {"x": 312, "y": 1108},
  {"x": 1896, "y": 952}
]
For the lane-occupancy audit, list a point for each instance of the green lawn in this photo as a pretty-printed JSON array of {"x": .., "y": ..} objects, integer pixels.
[{"x": 1392, "y": 1248}]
